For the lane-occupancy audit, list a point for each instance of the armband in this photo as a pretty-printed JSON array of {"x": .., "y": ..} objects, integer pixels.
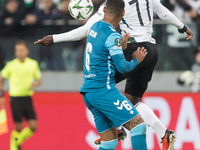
[
  {"x": 184, "y": 29},
  {"x": 1, "y": 93}
]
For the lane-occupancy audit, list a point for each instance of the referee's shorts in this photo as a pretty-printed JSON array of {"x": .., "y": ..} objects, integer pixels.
[
  {"x": 138, "y": 78},
  {"x": 22, "y": 107}
]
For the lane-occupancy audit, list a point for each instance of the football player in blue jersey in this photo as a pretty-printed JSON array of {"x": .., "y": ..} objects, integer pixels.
[
  {"x": 103, "y": 54},
  {"x": 138, "y": 22}
]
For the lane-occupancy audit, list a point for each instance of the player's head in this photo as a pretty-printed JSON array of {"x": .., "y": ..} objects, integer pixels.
[
  {"x": 21, "y": 49},
  {"x": 197, "y": 55},
  {"x": 115, "y": 8},
  {"x": 12, "y": 6},
  {"x": 47, "y": 4}
]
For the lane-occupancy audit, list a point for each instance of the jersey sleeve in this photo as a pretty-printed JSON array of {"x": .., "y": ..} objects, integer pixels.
[
  {"x": 81, "y": 32},
  {"x": 5, "y": 72},
  {"x": 114, "y": 46},
  {"x": 37, "y": 72},
  {"x": 166, "y": 15}
]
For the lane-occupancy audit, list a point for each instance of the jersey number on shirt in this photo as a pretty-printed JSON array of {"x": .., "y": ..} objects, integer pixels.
[
  {"x": 87, "y": 59},
  {"x": 138, "y": 10}
]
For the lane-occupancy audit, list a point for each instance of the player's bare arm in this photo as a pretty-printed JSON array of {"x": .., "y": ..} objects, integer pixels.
[
  {"x": 45, "y": 41},
  {"x": 2, "y": 99},
  {"x": 125, "y": 39},
  {"x": 139, "y": 54}
]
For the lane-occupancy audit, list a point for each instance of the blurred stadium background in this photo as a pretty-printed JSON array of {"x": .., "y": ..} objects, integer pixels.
[{"x": 64, "y": 121}]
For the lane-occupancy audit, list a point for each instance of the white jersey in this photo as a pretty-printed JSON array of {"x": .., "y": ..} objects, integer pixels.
[{"x": 137, "y": 21}]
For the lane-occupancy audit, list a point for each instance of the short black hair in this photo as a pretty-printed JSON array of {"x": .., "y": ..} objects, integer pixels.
[
  {"x": 115, "y": 6},
  {"x": 22, "y": 42}
]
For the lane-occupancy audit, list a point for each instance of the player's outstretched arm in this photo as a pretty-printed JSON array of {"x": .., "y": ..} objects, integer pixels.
[
  {"x": 45, "y": 41},
  {"x": 170, "y": 18},
  {"x": 73, "y": 35}
]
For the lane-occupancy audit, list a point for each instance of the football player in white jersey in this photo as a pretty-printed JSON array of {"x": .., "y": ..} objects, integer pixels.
[{"x": 137, "y": 22}]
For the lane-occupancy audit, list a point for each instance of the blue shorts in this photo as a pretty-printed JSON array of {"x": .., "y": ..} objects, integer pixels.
[{"x": 110, "y": 108}]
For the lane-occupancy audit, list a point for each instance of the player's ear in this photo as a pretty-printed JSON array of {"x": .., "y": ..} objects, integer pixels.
[
  {"x": 104, "y": 9},
  {"x": 123, "y": 13}
]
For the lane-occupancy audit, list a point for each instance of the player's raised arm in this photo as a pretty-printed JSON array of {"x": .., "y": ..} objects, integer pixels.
[
  {"x": 170, "y": 18},
  {"x": 73, "y": 35}
]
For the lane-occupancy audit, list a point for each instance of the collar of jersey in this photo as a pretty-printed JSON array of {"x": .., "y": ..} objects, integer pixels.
[
  {"x": 108, "y": 24},
  {"x": 20, "y": 61}
]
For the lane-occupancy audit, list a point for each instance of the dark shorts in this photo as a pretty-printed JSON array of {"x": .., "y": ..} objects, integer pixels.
[
  {"x": 138, "y": 78},
  {"x": 22, "y": 107}
]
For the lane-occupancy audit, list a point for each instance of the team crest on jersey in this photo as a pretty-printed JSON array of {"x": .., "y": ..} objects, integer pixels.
[{"x": 118, "y": 42}]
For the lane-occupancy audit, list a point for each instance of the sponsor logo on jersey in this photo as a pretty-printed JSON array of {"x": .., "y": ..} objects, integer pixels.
[
  {"x": 93, "y": 33},
  {"x": 117, "y": 47},
  {"x": 90, "y": 75}
]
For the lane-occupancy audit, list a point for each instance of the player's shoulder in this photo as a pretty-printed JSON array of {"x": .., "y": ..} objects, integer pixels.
[
  {"x": 11, "y": 62},
  {"x": 109, "y": 29},
  {"x": 32, "y": 61},
  {"x": 102, "y": 29}
]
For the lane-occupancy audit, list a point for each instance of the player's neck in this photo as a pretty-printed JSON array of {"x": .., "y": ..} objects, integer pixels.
[
  {"x": 112, "y": 20},
  {"x": 22, "y": 60}
]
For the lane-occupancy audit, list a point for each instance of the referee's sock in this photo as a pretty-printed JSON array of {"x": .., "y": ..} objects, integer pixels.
[
  {"x": 138, "y": 137},
  {"x": 14, "y": 135},
  {"x": 24, "y": 135}
]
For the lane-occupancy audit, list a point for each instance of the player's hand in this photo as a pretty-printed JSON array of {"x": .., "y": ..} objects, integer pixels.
[
  {"x": 189, "y": 34},
  {"x": 45, "y": 41},
  {"x": 125, "y": 39},
  {"x": 2, "y": 102},
  {"x": 139, "y": 54},
  {"x": 36, "y": 83}
]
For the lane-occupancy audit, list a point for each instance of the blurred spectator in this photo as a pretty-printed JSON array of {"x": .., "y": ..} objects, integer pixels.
[
  {"x": 27, "y": 5},
  {"x": 1, "y": 60},
  {"x": 9, "y": 28},
  {"x": 191, "y": 7},
  {"x": 50, "y": 58},
  {"x": 71, "y": 51},
  {"x": 185, "y": 11},
  {"x": 72, "y": 54},
  {"x": 49, "y": 11},
  {"x": 10, "y": 18},
  {"x": 96, "y": 4},
  {"x": 63, "y": 7},
  {"x": 196, "y": 70}
]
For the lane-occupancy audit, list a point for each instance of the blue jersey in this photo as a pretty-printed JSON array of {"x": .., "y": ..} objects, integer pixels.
[{"x": 103, "y": 54}]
